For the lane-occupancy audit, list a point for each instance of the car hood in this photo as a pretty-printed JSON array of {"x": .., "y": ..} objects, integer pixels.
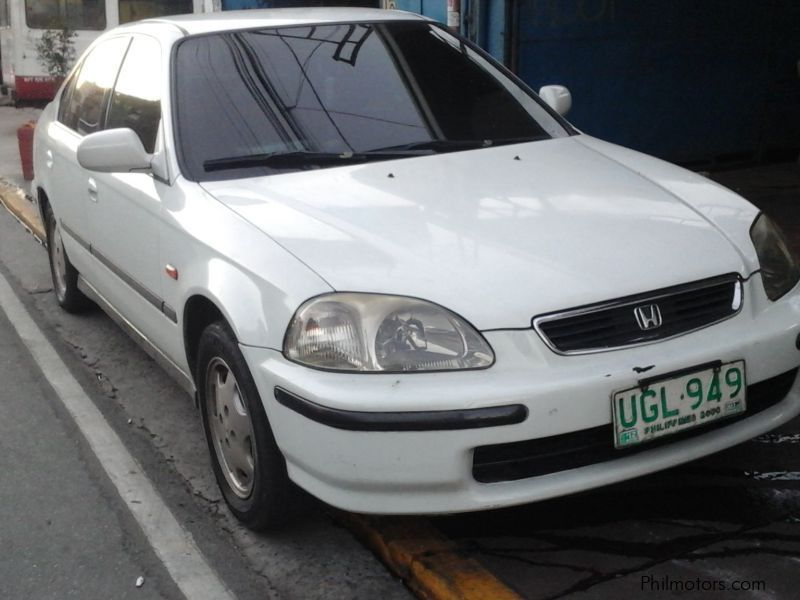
[{"x": 497, "y": 235}]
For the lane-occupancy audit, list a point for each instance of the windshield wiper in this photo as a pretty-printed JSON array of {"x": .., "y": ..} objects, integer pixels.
[
  {"x": 302, "y": 158},
  {"x": 440, "y": 145},
  {"x": 456, "y": 145},
  {"x": 307, "y": 158}
]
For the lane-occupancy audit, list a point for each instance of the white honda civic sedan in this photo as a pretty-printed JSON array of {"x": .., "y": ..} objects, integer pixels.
[{"x": 395, "y": 276}]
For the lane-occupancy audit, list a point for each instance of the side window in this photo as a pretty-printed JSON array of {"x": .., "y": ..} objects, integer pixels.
[
  {"x": 84, "y": 101},
  {"x": 66, "y": 96},
  {"x": 136, "y": 101}
]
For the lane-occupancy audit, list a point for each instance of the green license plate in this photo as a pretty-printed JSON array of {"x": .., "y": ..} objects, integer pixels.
[{"x": 646, "y": 413}]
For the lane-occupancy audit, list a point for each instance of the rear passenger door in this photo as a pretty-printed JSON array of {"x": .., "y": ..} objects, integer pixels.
[{"x": 82, "y": 110}]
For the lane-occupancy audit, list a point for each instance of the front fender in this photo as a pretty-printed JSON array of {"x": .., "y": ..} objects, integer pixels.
[{"x": 254, "y": 282}]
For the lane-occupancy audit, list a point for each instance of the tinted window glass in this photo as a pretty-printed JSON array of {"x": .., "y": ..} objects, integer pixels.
[
  {"x": 133, "y": 10},
  {"x": 72, "y": 14},
  {"x": 340, "y": 89},
  {"x": 64, "y": 104},
  {"x": 136, "y": 101},
  {"x": 4, "y": 22},
  {"x": 85, "y": 107}
]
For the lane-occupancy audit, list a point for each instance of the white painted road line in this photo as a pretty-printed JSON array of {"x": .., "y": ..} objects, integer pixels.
[
  {"x": 171, "y": 542},
  {"x": 774, "y": 475},
  {"x": 778, "y": 438}
]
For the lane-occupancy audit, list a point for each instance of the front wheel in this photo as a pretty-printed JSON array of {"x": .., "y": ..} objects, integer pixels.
[{"x": 249, "y": 468}]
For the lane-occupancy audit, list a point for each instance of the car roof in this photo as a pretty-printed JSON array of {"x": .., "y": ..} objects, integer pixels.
[{"x": 276, "y": 17}]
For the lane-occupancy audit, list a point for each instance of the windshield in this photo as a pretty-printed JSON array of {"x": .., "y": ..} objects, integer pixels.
[{"x": 328, "y": 95}]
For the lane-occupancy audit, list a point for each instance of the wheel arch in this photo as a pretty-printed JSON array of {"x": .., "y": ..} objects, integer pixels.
[
  {"x": 198, "y": 313},
  {"x": 42, "y": 204}
]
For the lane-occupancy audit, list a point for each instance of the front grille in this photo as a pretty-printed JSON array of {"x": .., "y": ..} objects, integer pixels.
[
  {"x": 614, "y": 324},
  {"x": 531, "y": 458}
]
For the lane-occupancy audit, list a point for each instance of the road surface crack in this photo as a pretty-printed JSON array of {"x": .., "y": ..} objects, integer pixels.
[{"x": 681, "y": 549}]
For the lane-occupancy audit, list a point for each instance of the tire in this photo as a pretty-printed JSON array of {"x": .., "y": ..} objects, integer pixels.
[
  {"x": 63, "y": 273},
  {"x": 249, "y": 468}
]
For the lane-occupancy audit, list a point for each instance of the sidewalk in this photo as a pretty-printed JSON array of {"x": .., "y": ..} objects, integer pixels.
[
  {"x": 10, "y": 119},
  {"x": 13, "y": 187}
]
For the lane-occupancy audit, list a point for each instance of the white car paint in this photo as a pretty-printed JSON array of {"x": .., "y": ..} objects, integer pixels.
[
  {"x": 497, "y": 235},
  {"x": 556, "y": 214}
]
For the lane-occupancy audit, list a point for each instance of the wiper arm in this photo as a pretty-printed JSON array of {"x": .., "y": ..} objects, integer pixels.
[
  {"x": 305, "y": 158},
  {"x": 456, "y": 145},
  {"x": 301, "y": 158},
  {"x": 440, "y": 145}
]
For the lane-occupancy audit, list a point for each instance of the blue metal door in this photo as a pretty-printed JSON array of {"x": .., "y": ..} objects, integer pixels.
[{"x": 682, "y": 79}]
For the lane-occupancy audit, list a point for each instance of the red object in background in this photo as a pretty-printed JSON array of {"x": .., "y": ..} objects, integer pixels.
[
  {"x": 33, "y": 88},
  {"x": 25, "y": 141}
]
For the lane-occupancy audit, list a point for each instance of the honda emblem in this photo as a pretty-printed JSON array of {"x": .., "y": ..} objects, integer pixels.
[{"x": 648, "y": 316}]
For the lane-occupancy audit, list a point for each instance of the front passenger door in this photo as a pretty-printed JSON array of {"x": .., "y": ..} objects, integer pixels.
[{"x": 124, "y": 220}]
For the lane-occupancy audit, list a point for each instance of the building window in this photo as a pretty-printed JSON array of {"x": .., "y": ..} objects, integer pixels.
[
  {"x": 133, "y": 10},
  {"x": 72, "y": 14},
  {"x": 4, "y": 22}
]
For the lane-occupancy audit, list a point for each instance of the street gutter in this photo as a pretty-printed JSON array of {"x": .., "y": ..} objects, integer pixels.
[
  {"x": 23, "y": 209},
  {"x": 429, "y": 563}
]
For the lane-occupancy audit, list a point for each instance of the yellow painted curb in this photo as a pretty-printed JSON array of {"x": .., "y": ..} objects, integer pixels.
[
  {"x": 25, "y": 211},
  {"x": 429, "y": 563}
]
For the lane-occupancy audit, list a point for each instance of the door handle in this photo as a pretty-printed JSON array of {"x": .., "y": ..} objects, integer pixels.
[
  {"x": 49, "y": 159},
  {"x": 92, "y": 184}
]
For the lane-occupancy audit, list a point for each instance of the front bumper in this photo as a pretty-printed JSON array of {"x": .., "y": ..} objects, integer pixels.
[{"x": 431, "y": 471}]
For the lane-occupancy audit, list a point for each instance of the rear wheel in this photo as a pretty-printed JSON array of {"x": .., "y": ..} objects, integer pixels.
[
  {"x": 64, "y": 275},
  {"x": 249, "y": 468}
]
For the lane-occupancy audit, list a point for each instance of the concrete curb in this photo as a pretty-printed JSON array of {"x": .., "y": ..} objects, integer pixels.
[
  {"x": 25, "y": 211},
  {"x": 427, "y": 561}
]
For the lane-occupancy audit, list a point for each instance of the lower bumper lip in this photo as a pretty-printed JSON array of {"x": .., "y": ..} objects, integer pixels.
[
  {"x": 553, "y": 454},
  {"x": 434, "y": 420}
]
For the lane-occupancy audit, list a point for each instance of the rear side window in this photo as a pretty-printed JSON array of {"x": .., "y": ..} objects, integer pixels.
[
  {"x": 136, "y": 101},
  {"x": 83, "y": 106}
]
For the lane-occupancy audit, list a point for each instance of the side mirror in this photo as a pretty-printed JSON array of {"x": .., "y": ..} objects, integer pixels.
[
  {"x": 113, "y": 151},
  {"x": 557, "y": 97}
]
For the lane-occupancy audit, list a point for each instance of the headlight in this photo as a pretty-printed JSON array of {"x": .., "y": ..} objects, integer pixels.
[
  {"x": 779, "y": 270},
  {"x": 372, "y": 332}
]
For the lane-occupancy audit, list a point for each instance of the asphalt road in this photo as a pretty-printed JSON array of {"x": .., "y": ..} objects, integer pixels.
[{"x": 63, "y": 533}]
